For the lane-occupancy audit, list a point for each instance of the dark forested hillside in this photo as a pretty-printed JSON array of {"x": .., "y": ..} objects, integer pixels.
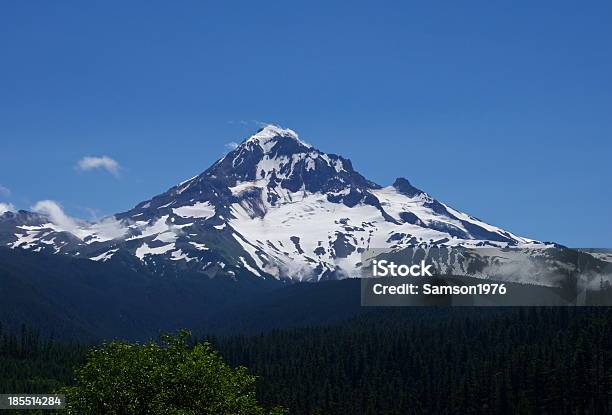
[
  {"x": 529, "y": 361},
  {"x": 399, "y": 361},
  {"x": 82, "y": 299},
  {"x": 30, "y": 363}
]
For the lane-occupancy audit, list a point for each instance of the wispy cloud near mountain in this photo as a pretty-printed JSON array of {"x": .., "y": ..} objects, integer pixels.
[
  {"x": 4, "y": 191},
  {"x": 56, "y": 214},
  {"x": 6, "y": 207}
]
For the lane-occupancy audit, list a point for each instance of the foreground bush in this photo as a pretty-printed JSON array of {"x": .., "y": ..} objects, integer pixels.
[{"x": 166, "y": 378}]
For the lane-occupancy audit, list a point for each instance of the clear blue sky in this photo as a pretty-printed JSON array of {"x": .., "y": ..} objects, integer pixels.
[{"x": 500, "y": 109}]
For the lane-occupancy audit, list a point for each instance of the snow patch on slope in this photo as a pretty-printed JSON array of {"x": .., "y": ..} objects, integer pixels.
[
  {"x": 200, "y": 210},
  {"x": 145, "y": 249}
]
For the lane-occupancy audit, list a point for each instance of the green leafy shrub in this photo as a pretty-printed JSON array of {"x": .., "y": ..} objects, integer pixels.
[{"x": 166, "y": 378}]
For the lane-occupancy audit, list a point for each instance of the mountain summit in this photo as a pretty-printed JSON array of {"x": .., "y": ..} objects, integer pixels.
[{"x": 273, "y": 207}]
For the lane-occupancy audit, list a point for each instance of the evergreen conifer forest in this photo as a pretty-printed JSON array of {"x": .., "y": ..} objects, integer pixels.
[{"x": 421, "y": 361}]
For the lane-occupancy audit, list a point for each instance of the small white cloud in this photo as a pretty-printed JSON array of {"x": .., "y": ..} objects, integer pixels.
[
  {"x": 56, "y": 214},
  {"x": 4, "y": 191},
  {"x": 231, "y": 145},
  {"x": 104, "y": 162},
  {"x": 6, "y": 207}
]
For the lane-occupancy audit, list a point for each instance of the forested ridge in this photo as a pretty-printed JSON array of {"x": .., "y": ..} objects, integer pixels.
[
  {"x": 401, "y": 361},
  {"x": 525, "y": 361},
  {"x": 30, "y": 363}
]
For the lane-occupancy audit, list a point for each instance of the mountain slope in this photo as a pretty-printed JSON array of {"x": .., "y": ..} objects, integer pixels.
[{"x": 274, "y": 207}]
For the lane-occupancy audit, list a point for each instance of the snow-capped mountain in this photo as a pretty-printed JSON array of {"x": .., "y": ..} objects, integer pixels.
[{"x": 274, "y": 207}]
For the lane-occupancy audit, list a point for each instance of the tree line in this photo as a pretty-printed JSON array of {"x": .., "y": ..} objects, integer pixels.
[
  {"x": 525, "y": 360},
  {"x": 391, "y": 361}
]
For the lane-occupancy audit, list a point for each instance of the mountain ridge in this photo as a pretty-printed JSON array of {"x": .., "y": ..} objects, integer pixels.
[{"x": 273, "y": 207}]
